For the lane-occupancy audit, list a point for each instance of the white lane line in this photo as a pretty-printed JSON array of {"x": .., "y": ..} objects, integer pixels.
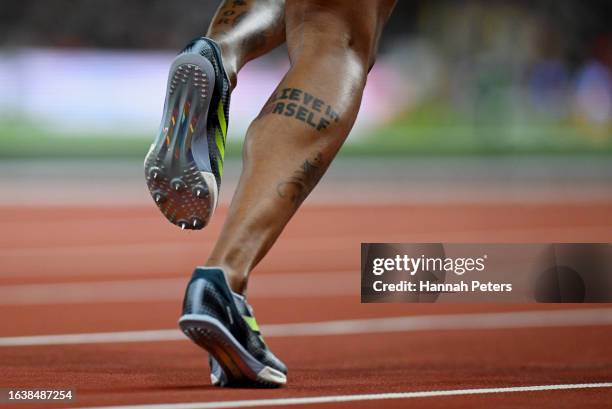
[
  {"x": 479, "y": 321},
  {"x": 67, "y": 250},
  {"x": 93, "y": 292},
  {"x": 354, "y": 398},
  {"x": 159, "y": 289}
]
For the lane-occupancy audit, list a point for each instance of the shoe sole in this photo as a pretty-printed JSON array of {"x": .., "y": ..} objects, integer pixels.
[
  {"x": 179, "y": 178},
  {"x": 239, "y": 365}
]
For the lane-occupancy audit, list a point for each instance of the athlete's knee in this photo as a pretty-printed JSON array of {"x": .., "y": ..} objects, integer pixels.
[
  {"x": 327, "y": 29},
  {"x": 345, "y": 43},
  {"x": 360, "y": 43}
]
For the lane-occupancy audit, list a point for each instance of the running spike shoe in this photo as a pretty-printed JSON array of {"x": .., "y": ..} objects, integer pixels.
[
  {"x": 184, "y": 165},
  {"x": 222, "y": 322},
  {"x": 217, "y": 376}
]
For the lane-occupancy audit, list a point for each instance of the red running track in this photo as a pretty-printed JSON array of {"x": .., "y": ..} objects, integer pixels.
[{"x": 319, "y": 253}]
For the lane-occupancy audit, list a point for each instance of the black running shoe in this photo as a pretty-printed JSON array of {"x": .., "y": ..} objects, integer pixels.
[
  {"x": 222, "y": 322},
  {"x": 184, "y": 165},
  {"x": 217, "y": 376}
]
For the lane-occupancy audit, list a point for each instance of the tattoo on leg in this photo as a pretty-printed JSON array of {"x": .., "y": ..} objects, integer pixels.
[
  {"x": 239, "y": 18},
  {"x": 231, "y": 14},
  {"x": 298, "y": 186},
  {"x": 302, "y": 106}
]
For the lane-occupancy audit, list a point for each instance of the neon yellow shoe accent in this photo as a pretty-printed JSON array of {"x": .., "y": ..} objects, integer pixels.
[
  {"x": 220, "y": 137},
  {"x": 221, "y": 147},
  {"x": 220, "y": 144},
  {"x": 220, "y": 166},
  {"x": 222, "y": 121},
  {"x": 251, "y": 322}
]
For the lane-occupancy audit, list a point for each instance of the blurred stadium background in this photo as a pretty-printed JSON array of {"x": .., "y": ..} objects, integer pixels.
[
  {"x": 468, "y": 101},
  {"x": 84, "y": 78}
]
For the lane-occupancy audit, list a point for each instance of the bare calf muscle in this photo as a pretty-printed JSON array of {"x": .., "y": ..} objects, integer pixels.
[{"x": 300, "y": 129}]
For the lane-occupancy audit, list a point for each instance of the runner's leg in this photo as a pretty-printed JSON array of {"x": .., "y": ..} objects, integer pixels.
[{"x": 289, "y": 146}]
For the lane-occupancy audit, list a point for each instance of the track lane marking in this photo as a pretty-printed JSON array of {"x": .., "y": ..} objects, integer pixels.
[
  {"x": 316, "y": 243},
  {"x": 353, "y": 398},
  {"x": 336, "y": 283},
  {"x": 445, "y": 322}
]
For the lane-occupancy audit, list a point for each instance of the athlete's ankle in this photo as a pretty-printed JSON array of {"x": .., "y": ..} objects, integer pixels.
[
  {"x": 237, "y": 281},
  {"x": 230, "y": 61}
]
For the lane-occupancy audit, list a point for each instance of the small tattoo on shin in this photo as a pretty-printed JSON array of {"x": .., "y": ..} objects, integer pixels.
[
  {"x": 303, "y": 180},
  {"x": 231, "y": 14}
]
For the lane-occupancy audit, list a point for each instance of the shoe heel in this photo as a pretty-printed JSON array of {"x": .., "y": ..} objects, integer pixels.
[{"x": 211, "y": 335}]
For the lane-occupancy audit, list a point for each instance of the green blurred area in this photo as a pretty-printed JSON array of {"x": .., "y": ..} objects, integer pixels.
[
  {"x": 462, "y": 78},
  {"x": 434, "y": 129},
  {"x": 408, "y": 135}
]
